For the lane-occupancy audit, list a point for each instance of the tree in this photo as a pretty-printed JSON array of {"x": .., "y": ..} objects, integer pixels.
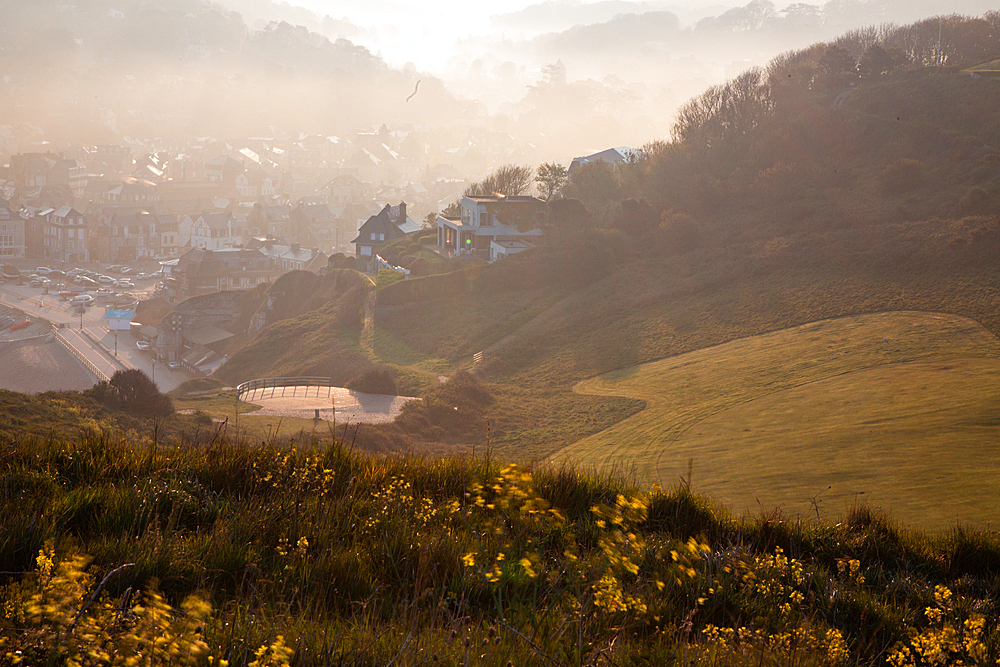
[
  {"x": 551, "y": 179},
  {"x": 132, "y": 391},
  {"x": 838, "y": 67},
  {"x": 596, "y": 184},
  {"x": 510, "y": 180},
  {"x": 876, "y": 61}
]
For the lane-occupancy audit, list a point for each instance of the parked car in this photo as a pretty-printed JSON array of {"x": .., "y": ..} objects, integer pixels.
[
  {"x": 74, "y": 272},
  {"x": 142, "y": 344},
  {"x": 43, "y": 270},
  {"x": 35, "y": 282},
  {"x": 82, "y": 299},
  {"x": 142, "y": 276},
  {"x": 106, "y": 279},
  {"x": 125, "y": 282},
  {"x": 174, "y": 364}
]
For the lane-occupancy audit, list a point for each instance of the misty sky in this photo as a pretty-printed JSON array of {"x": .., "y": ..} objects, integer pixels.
[{"x": 423, "y": 33}]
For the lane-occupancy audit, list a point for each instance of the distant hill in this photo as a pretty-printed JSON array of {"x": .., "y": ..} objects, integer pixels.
[{"x": 190, "y": 68}]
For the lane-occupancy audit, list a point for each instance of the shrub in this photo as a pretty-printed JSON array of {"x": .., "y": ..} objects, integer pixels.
[
  {"x": 901, "y": 176},
  {"x": 386, "y": 278},
  {"x": 375, "y": 381},
  {"x": 975, "y": 201},
  {"x": 132, "y": 391},
  {"x": 195, "y": 385}
]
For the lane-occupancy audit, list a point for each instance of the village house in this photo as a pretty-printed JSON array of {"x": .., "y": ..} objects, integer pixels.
[
  {"x": 12, "y": 242},
  {"x": 64, "y": 235},
  {"x": 485, "y": 219},
  {"x": 200, "y": 271},
  {"x": 270, "y": 220},
  {"x": 126, "y": 234},
  {"x": 31, "y": 170},
  {"x": 293, "y": 257},
  {"x": 215, "y": 231},
  {"x": 223, "y": 169},
  {"x": 387, "y": 225},
  {"x": 132, "y": 192},
  {"x": 251, "y": 183},
  {"x": 345, "y": 189}
]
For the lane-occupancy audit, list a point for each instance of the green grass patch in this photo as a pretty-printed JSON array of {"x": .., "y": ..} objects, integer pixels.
[{"x": 893, "y": 409}]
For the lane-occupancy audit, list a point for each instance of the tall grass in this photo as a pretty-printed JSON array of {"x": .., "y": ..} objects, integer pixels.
[{"x": 360, "y": 559}]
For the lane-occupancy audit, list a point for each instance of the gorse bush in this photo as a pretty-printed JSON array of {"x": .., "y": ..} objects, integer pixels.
[
  {"x": 242, "y": 554},
  {"x": 132, "y": 391}
]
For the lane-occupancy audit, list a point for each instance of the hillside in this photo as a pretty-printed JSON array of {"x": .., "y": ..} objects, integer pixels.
[{"x": 787, "y": 197}]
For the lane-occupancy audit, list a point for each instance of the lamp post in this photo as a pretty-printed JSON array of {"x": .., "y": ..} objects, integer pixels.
[
  {"x": 153, "y": 366},
  {"x": 116, "y": 342}
]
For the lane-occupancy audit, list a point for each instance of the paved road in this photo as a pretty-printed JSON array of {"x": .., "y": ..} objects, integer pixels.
[{"x": 88, "y": 333}]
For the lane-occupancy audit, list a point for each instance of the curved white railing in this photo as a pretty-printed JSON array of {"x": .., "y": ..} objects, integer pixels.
[{"x": 289, "y": 386}]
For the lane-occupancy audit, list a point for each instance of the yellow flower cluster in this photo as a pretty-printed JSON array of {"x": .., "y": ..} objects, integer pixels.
[
  {"x": 947, "y": 641},
  {"x": 61, "y": 626},
  {"x": 775, "y": 579},
  {"x": 827, "y": 645}
]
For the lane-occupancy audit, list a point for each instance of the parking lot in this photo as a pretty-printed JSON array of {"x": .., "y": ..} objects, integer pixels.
[{"x": 59, "y": 302}]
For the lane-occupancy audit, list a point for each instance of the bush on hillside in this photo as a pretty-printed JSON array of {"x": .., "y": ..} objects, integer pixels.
[
  {"x": 901, "y": 176},
  {"x": 452, "y": 412},
  {"x": 195, "y": 385},
  {"x": 976, "y": 201},
  {"x": 133, "y": 392},
  {"x": 375, "y": 381},
  {"x": 386, "y": 278}
]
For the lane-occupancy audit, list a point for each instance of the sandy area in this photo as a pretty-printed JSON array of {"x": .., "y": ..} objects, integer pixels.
[
  {"x": 36, "y": 365},
  {"x": 352, "y": 407}
]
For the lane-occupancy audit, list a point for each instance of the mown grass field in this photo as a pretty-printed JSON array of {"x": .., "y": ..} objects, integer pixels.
[{"x": 895, "y": 409}]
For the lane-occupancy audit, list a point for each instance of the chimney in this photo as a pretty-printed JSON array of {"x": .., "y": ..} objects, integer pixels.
[
  {"x": 296, "y": 247},
  {"x": 402, "y": 213}
]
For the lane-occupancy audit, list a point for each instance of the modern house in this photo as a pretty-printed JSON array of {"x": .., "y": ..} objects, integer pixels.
[
  {"x": 486, "y": 219},
  {"x": 611, "y": 156}
]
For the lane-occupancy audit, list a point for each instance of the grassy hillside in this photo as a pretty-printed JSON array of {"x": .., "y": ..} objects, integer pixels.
[
  {"x": 896, "y": 408},
  {"x": 786, "y": 198},
  {"x": 308, "y": 555},
  {"x": 545, "y": 340}
]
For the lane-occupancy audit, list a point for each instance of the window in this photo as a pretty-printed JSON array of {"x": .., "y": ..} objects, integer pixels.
[{"x": 6, "y": 240}]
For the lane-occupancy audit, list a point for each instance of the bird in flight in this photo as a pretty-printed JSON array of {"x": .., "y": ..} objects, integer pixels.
[{"x": 414, "y": 91}]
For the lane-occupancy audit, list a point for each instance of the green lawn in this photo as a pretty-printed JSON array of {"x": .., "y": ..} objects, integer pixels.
[{"x": 895, "y": 409}]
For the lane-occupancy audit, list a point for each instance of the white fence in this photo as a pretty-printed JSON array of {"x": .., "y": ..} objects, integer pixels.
[{"x": 382, "y": 264}]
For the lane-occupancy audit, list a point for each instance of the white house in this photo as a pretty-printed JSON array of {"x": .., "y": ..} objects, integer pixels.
[
  {"x": 214, "y": 231},
  {"x": 487, "y": 219}
]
